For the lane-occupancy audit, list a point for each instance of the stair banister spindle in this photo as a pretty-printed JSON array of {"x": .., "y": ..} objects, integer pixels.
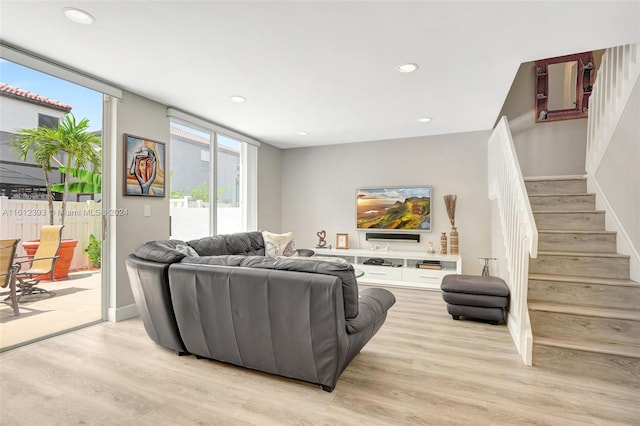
[{"x": 517, "y": 228}]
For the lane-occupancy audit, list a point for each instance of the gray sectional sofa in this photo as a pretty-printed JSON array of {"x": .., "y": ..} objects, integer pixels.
[{"x": 224, "y": 300}]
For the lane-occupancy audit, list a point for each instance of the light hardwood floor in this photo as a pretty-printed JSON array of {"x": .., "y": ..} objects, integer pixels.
[{"x": 422, "y": 368}]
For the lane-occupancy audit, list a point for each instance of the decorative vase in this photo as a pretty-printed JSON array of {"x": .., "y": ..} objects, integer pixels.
[
  {"x": 454, "y": 241},
  {"x": 443, "y": 243}
]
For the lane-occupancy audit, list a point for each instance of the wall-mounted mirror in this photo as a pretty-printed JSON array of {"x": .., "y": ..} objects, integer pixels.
[{"x": 563, "y": 86}]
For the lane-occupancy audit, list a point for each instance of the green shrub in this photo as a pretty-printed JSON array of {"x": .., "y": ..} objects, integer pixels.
[{"x": 95, "y": 251}]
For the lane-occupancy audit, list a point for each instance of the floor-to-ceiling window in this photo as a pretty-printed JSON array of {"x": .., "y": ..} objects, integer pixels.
[
  {"x": 190, "y": 177},
  {"x": 212, "y": 179},
  {"x": 30, "y": 99}
]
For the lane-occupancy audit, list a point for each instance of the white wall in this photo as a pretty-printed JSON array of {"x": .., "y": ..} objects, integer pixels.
[
  {"x": 18, "y": 114},
  {"x": 269, "y": 190},
  {"x": 319, "y": 188},
  {"x": 618, "y": 176},
  {"x": 544, "y": 149},
  {"x": 140, "y": 117}
]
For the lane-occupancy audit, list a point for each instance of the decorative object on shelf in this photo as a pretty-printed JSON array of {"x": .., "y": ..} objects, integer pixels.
[
  {"x": 542, "y": 115},
  {"x": 450, "y": 203},
  {"x": 342, "y": 241},
  {"x": 443, "y": 243},
  {"x": 322, "y": 235},
  {"x": 453, "y": 241},
  {"x": 430, "y": 249}
]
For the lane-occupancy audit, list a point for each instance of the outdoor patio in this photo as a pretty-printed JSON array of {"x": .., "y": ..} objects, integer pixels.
[{"x": 77, "y": 301}]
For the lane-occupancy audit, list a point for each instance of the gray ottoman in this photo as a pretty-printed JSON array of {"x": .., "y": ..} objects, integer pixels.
[{"x": 475, "y": 296}]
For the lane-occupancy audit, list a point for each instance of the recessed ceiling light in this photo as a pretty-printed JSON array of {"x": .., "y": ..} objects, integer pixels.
[
  {"x": 238, "y": 99},
  {"x": 424, "y": 119},
  {"x": 78, "y": 16},
  {"x": 303, "y": 133},
  {"x": 406, "y": 68}
]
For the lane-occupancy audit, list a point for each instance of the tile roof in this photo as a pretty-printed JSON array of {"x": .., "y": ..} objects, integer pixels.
[{"x": 20, "y": 94}]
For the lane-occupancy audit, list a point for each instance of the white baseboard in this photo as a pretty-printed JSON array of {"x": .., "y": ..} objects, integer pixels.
[
  {"x": 612, "y": 223},
  {"x": 122, "y": 313}
]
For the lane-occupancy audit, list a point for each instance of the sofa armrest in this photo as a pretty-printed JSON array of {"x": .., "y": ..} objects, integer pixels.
[{"x": 373, "y": 304}]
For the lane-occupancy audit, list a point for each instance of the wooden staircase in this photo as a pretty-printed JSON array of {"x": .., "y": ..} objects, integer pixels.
[{"x": 584, "y": 309}]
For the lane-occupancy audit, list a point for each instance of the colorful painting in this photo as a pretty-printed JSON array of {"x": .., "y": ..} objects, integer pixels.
[
  {"x": 144, "y": 167},
  {"x": 395, "y": 208}
]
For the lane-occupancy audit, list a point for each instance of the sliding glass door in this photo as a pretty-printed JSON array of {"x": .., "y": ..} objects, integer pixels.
[{"x": 31, "y": 100}]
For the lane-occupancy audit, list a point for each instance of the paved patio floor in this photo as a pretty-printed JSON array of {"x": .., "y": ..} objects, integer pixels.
[{"x": 77, "y": 301}]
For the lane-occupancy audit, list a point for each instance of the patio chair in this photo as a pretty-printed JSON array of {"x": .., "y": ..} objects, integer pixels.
[
  {"x": 42, "y": 263},
  {"x": 8, "y": 271}
]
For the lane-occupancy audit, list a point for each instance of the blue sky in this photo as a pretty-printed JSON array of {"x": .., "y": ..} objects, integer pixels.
[{"x": 85, "y": 102}]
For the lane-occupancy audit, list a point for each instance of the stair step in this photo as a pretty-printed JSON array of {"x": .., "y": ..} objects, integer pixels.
[
  {"x": 586, "y": 291},
  {"x": 570, "y": 221},
  {"x": 581, "y": 264},
  {"x": 590, "y": 311},
  {"x": 598, "y": 325},
  {"x": 563, "y": 202},
  {"x": 589, "y": 346},
  {"x": 586, "y": 241},
  {"x": 555, "y": 185},
  {"x": 587, "y": 359}
]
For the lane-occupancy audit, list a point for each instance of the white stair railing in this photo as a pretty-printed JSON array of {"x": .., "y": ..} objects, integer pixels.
[
  {"x": 506, "y": 187},
  {"x": 615, "y": 80}
]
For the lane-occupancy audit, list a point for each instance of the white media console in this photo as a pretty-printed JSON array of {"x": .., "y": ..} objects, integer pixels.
[{"x": 405, "y": 274}]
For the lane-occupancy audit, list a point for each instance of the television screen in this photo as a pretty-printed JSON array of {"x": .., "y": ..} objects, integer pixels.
[{"x": 395, "y": 208}]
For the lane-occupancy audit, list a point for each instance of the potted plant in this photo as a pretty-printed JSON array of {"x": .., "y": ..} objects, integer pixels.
[{"x": 73, "y": 149}]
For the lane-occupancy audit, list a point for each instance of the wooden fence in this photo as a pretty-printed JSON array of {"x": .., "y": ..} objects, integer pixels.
[{"x": 24, "y": 218}]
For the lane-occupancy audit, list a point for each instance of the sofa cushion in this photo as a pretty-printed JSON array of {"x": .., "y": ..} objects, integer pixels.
[
  {"x": 475, "y": 284},
  {"x": 209, "y": 246},
  {"x": 187, "y": 250},
  {"x": 374, "y": 304},
  {"x": 278, "y": 244},
  {"x": 161, "y": 251},
  {"x": 343, "y": 271},
  {"x": 245, "y": 243},
  {"x": 242, "y": 243}
]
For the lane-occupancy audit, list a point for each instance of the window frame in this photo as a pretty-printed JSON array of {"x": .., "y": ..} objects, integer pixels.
[{"x": 248, "y": 160}]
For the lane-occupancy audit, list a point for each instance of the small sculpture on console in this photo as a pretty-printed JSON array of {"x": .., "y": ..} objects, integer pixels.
[
  {"x": 450, "y": 204},
  {"x": 322, "y": 239}
]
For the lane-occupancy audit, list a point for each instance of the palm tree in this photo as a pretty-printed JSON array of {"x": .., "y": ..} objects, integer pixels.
[{"x": 70, "y": 137}]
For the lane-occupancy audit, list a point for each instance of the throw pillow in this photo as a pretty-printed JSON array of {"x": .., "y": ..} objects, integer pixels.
[
  {"x": 189, "y": 251},
  {"x": 278, "y": 244}
]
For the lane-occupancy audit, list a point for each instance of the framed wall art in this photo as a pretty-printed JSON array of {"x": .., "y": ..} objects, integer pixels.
[{"x": 144, "y": 162}]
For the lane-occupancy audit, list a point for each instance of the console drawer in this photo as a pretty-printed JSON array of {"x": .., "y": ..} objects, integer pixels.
[
  {"x": 425, "y": 276},
  {"x": 380, "y": 272}
]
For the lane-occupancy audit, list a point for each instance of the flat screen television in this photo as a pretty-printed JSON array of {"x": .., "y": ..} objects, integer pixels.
[{"x": 397, "y": 208}]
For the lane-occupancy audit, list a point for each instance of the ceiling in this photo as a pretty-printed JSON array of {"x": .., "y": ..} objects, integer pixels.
[{"x": 325, "y": 68}]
